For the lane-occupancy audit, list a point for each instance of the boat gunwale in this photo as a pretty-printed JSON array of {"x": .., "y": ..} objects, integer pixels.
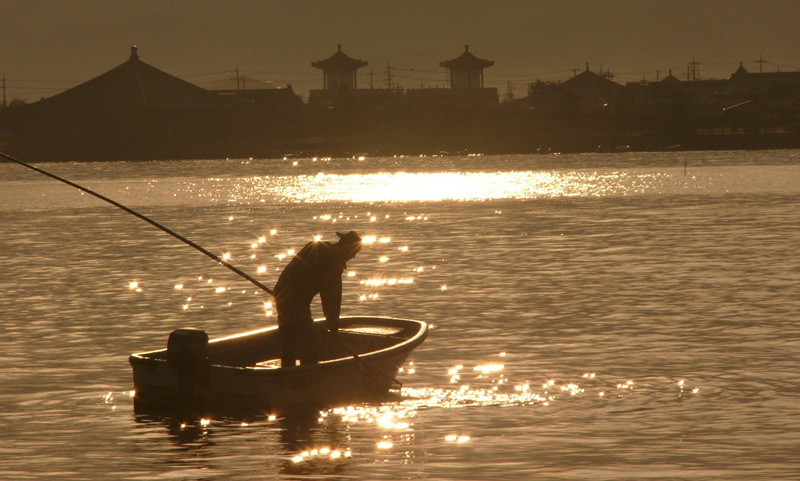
[{"x": 143, "y": 358}]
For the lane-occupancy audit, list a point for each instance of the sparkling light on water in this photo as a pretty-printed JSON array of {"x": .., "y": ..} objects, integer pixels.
[
  {"x": 628, "y": 416},
  {"x": 489, "y": 368},
  {"x": 393, "y": 424},
  {"x": 440, "y": 186}
]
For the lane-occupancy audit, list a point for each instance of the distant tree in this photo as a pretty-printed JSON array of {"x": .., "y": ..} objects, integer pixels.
[
  {"x": 544, "y": 89},
  {"x": 16, "y": 103},
  {"x": 543, "y": 95}
]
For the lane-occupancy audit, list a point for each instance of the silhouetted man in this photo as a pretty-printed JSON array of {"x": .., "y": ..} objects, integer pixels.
[{"x": 316, "y": 269}]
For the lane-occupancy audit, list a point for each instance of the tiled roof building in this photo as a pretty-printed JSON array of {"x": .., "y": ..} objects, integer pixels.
[
  {"x": 339, "y": 71},
  {"x": 466, "y": 70}
]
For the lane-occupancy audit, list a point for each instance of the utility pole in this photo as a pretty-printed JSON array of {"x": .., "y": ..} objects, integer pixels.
[
  {"x": 644, "y": 83},
  {"x": 388, "y": 76},
  {"x": 693, "y": 71},
  {"x": 509, "y": 91},
  {"x": 760, "y": 63},
  {"x": 610, "y": 77},
  {"x": 4, "y": 90}
]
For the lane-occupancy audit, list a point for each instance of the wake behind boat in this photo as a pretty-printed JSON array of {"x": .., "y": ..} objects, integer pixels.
[{"x": 242, "y": 372}]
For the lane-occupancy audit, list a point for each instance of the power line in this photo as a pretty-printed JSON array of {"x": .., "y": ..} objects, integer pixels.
[
  {"x": 39, "y": 93},
  {"x": 416, "y": 70},
  {"x": 46, "y": 81},
  {"x": 207, "y": 73},
  {"x": 403, "y": 77},
  {"x": 534, "y": 75}
]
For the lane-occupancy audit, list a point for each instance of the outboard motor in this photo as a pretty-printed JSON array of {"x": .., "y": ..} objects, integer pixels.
[{"x": 187, "y": 352}]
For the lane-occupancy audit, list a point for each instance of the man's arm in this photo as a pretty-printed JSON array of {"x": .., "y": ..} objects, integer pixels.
[{"x": 331, "y": 297}]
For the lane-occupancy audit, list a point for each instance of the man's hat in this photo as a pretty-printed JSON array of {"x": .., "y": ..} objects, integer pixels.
[{"x": 351, "y": 237}]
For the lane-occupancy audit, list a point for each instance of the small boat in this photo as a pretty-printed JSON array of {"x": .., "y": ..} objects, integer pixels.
[{"x": 242, "y": 372}]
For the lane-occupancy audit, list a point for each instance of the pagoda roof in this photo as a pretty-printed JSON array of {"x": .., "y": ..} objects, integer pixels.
[
  {"x": 466, "y": 61},
  {"x": 339, "y": 60},
  {"x": 133, "y": 84}
]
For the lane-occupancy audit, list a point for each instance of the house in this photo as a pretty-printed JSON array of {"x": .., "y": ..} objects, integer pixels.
[
  {"x": 257, "y": 93},
  {"x": 647, "y": 94},
  {"x": 590, "y": 92},
  {"x": 767, "y": 90}
]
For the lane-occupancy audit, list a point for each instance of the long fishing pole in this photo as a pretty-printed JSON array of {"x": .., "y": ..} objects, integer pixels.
[
  {"x": 146, "y": 219},
  {"x": 168, "y": 231}
]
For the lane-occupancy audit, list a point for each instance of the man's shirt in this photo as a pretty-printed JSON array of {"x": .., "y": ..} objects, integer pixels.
[{"x": 316, "y": 269}]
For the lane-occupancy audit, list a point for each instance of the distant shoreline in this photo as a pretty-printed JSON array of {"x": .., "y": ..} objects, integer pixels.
[{"x": 739, "y": 142}]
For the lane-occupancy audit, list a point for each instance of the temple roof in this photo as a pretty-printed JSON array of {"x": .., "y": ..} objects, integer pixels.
[
  {"x": 591, "y": 80},
  {"x": 741, "y": 70},
  {"x": 338, "y": 61},
  {"x": 670, "y": 80},
  {"x": 466, "y": 61},
  {"x": 133, "y": 84}
]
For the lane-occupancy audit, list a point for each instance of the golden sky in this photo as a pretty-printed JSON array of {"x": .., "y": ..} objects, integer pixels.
[{"x": 48, "y": 46}]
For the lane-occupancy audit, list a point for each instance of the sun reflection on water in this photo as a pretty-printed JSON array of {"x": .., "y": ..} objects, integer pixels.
[
  {"x": 392, "y": 425},
  {"x": 439, "y": 186},
  {"x": 388, "y": 432}
]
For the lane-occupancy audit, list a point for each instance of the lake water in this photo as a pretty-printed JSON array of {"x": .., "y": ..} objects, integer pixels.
[{"x": 595, "y": 317}]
